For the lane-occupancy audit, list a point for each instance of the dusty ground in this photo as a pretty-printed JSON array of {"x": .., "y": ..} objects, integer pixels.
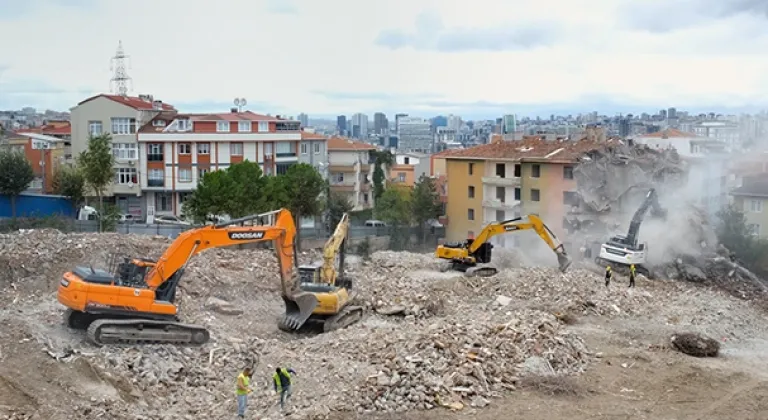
[{"x": 636, "y": 375}]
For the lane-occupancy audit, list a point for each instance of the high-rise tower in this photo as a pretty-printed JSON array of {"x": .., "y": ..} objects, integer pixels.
[{"x": 120, "y": 80}]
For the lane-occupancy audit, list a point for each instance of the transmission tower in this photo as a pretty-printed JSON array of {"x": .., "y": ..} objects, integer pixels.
[{"x": 120, "y": 80}]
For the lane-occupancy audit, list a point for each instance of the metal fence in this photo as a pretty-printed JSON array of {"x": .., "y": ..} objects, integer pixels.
[{"x": 172, "y": 231}]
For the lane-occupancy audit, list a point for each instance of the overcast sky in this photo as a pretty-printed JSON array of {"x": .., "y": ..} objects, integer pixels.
[{"x": 426, "y": 57}]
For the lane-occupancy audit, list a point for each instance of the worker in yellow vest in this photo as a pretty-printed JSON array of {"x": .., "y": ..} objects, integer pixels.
[
  {"x": 282, "y": 382},
  {"x": 632, "y": 275},
  {"x": 242, "y": 390},
  {"x": 608, "y": 275}
]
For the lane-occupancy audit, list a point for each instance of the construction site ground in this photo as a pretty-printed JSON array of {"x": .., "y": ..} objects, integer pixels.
[{"x": 625, "y": 369}]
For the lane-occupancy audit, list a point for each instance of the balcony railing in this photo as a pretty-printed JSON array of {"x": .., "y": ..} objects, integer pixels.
[
  {"x": 498, "y": 204},
  {"x": 497, "y": 180},
  {"x": 155, "y": 183},
  {"x": 155, "y": 157},
  {"x": 288, "y": 154}
]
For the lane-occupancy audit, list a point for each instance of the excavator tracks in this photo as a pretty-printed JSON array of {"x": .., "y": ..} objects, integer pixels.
[
  {"x": 481, "y": 272},
  {"x": 144, "y": 331},
  {"x": 345, "y": 318}
]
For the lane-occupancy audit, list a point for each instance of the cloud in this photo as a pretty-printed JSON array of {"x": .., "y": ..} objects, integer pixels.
[
  {"x": 431, "y": 34},
  {"x": 283, "y": 7},
  {"x": 664, "y": 16}
]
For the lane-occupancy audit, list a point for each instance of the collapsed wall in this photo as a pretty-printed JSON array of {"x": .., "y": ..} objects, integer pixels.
[{"x": 611, "y": 185}]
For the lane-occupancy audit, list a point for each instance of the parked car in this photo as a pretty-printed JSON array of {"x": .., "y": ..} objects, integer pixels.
[
  {"x": 375, "y": 223},
  {"x": 170, "y": 220},
  {"x": 128, "y": 218}
]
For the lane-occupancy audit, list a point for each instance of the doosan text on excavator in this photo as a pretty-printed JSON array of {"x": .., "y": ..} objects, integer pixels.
[{"x": 137, "y": 304}]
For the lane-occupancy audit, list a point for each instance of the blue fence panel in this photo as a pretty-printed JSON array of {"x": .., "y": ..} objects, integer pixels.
[{"x": 37, "y": 205}]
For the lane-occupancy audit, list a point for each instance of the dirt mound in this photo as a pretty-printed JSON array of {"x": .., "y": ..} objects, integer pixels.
[{"x": 695, "y": 345}]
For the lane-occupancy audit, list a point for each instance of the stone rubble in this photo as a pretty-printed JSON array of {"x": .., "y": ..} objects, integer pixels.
[{"x": 429, "y": 339}]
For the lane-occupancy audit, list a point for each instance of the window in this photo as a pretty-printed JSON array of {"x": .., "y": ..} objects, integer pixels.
[
  {"x": 570, "y": 198},
  {"x": 500, "y": 194},
  {"x": 183, "y": 125},
  {"x": 156, "y": 178},
  {"x": 185, "y": 148},
  {"x": 517, "y": 170},
  {"x": 125, "y": 176},
  {"x": 158, "y": 123},
  {"x": 407, "y": 160},
  {"x": 222, "y": 126},
  {"x": 263, "y": 126},
  {"x": 203, "y": 148},
  {"x": 244, "y": 126},
  {"x": 317, "y": 148},
  {"x": 282, "y": 168},
  {"x": 401, "y": 177},
  {"x": 501, "y": 170},
  {"x": 236, "y": 149},
  {"x": 125, "y": 151},
  {"x": 471, "y": 168},
  {"x": 500, "y": 215},
  {"x": 567, "y": 172},
  {"x": 201, "y": 173},
  {"x": 536, "y": 171},
  {"x": 304, "y": 148},
  {"x": 471, "y": 191},
  {"x": 471, "y": 214},
  {"x": 94, "y": 128},
  {"x": 338, "y": 177},
  {"x": 365, "y": 198},
  {"x": 535, "y": 195},
  {"x": 754, "y": 229},
  {"x": 123, "y": 125},
  {"x": 283, "y": 149},
  {"x": 756, "y": 206},
  {"x": 185, "y": 175},
  {"x": 163, "y": 201},
  {"x": 183, "y": 197},
  {"x": 155, "y": 152},
  {"x": 36, "y": 184},
  {"x": 517, "y": 194}
]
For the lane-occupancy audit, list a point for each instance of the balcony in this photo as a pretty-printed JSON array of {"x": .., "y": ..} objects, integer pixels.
[
  {"x": 341, "y": 186},
  {"x": 342, "y": 168},
  {"x": 155, "y": 183},
  {"x": 497, "y": 180},
  {"x": 155, "y": 157},
  {"x": 498, "y": 204},
  {"x": 286, "y": 155}
]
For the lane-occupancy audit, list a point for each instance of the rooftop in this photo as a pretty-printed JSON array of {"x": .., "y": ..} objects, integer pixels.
[
  {"x": 668, "y": 134},
  {"x": 131, "y": 101},
  {"x": 342, "y": 143},
  {"x": 54, "y": 128},
  {"x": 531, "y": 150},
  {"x": 755, "y": 186},
  {"x": 312, "y": 136}
]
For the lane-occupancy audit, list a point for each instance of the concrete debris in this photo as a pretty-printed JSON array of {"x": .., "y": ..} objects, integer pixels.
[
  {"x": 695, "y": 345},
  {"x": 430, "y": 339}
]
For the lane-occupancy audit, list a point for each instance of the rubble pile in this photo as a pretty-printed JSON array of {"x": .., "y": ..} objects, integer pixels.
[{"x": 695, "y": 345}]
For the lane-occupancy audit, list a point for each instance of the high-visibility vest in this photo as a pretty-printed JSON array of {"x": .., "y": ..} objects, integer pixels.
[
  {"x": 246, "y": 382},
  {"x": 632, "y": 270},
  {"x": 278, "y": 381}
]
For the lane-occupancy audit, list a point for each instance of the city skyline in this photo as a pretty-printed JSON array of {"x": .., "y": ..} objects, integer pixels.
[{"x": 423, "y": 57}]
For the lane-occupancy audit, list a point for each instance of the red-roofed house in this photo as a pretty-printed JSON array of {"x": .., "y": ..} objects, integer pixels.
[
  {"x": 176, "y": 150},
  {"x": 121, "y": 116},
  {"x": 351, "y": 170}
]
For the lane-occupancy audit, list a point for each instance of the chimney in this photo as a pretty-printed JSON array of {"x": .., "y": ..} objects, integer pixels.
[
  {"x": 157, "y": 105},
  {"x": 277, "y": 116},
  {"x": 234, "y": 110}
]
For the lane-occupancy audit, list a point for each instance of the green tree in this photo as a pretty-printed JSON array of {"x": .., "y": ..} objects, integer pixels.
[
  {"x": 70, "y": 182},
  {"x": 214, "y": 195},
  {"x": 383, "y": 161},
  {"x": 15, "y": 175},
  {"x": 338, "y": 204},
  {"x": 426, "y": 203},
  {"x": 396, "y": 208},
  {"x": 249, "y": 186},
  {"x": 304, "y": 187},
  {"x": 97, "y": 163},
  {"x": 735, "y": 234}
]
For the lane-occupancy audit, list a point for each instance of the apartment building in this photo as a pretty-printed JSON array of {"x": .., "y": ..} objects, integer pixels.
[
  {"x": 495, "y": 182},
  {"x": 121, "y": 117},
  {"x": 177, "y": 150},
  {"x": 313, "y": 150},
  {"x": 752, "y": 199},
  {"x": 44, "y": 153},
  {"x": 408, "y": 168},
  {"x": 350, "y": 167}
]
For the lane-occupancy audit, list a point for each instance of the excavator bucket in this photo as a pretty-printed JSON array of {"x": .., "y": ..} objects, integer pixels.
[
  {"x": 298, "y": 309},
  {"x": 564, "y": 260}
]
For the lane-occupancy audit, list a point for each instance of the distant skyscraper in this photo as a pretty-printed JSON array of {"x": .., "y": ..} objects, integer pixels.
[
  {"x": 454, "y": 122},
  {"x": 397, "y": 120},
  {"x": 380, "y": 123},
  {"x": 439, "y": 121},
  {"x": 672, "y": 113},
  {"x": 509, "y": 124},
  {"x": 414, "y": 134},
  {"x": 303, "y": 119},
  {"x": 360, "y": 121},
  {"x": 341, "y": 124}
]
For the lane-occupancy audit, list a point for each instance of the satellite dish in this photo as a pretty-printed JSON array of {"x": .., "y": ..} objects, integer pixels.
[
  {"x": 237, "y": 101},
  {"x": 130, "y": 184},
  {"x": 243, "y": 102}
]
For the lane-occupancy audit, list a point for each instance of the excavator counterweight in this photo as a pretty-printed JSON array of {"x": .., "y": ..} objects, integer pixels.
[{"x": 465, "y": 256}]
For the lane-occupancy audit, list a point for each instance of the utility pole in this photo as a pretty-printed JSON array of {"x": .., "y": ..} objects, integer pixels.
[{"x": 120, "y": 80}]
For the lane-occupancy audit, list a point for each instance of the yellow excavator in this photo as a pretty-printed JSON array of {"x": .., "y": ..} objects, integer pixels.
[
  {"x": 328, "y": 285},
  {"x": 466, "y": 255}
]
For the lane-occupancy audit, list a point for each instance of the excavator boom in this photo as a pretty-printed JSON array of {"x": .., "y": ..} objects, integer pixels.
[{"x": 467, "y": 255}]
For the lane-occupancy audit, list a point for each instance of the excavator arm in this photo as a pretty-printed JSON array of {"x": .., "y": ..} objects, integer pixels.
[
  {"x": 475, "y": 246},
  {"x": 328, "y": 273}
]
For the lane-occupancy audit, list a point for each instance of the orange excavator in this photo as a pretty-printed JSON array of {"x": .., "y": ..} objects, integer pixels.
[{"x": 137, "y": 304}]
